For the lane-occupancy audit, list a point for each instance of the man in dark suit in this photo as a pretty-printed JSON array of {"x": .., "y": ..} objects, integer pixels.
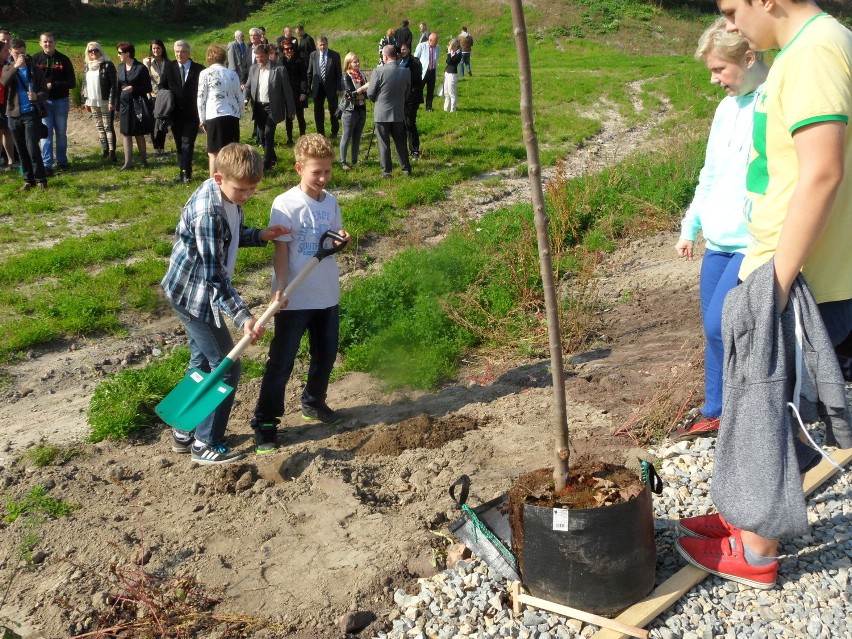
[
  {"x": 324, "y": 79},
  {"x": 180, "y": 76},
  {"x": 389, "y": 86},
  {"x": 271, "y": 95},
  {"x": 414, "y": 99},
  {"x": 239, "y": 57}
]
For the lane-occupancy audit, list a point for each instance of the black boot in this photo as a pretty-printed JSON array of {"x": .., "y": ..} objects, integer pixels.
[
  {"x": 112, "y": 157},
  {"x": 105, "y": 153}
]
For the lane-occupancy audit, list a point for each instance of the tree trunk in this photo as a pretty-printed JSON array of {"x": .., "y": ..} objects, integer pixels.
[{"x": 551, "y": 303}]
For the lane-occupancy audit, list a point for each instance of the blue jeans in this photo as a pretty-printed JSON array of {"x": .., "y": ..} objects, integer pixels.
[
  {"x": 719, "y": 274},
  {"x": 465, "y": 62},
  {"x": 322, "y": 326},
  {"x": 208, "y": 345},
  {"x": 56, "y": 121},
  {"x": 25, "y": 134}
]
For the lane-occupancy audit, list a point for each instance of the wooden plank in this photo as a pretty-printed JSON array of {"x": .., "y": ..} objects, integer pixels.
[
  {"x": 519, "y": 598},
  {"x": 673, "y": 588}
]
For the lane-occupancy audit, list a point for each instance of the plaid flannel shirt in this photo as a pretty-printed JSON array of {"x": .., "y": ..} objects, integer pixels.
[{"x": 196, "y": 279}]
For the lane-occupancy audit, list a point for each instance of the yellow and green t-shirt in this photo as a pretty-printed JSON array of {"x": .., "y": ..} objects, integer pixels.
[{"x": 810, "y": 81}]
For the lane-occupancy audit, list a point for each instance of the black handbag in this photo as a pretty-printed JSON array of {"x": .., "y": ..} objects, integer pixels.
[{"x": 144, "y": 113}]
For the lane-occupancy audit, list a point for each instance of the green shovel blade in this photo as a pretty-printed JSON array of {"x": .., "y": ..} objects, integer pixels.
[{"x": 196, "y": 397}]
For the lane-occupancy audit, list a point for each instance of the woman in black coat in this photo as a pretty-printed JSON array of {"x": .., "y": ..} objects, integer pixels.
[
  {"x": 100, "y": 95},
  {"x": 134, "y": 81},
  {"x": 297, "y": 71}
]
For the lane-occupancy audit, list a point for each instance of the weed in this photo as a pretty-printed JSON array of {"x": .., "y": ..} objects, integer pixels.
[
  {"x": 46, "y": 454},
  {"x": 35, "y": 504}
]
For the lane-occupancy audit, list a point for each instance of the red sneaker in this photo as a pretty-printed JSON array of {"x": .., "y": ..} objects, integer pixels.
[
  {"x": 701, "y": 426},
  {"x": 706, "y": 526},
  {"x": 725, "y": 558}
]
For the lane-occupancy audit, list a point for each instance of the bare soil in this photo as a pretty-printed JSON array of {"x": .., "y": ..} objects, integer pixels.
[{"x": 340, "y": 516}]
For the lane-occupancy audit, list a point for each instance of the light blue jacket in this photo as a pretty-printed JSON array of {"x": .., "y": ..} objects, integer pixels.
[{"x": 717, "y": 207}]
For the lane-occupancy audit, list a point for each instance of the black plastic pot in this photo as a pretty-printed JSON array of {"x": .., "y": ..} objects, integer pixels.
[{"x": 603, "y": 562}]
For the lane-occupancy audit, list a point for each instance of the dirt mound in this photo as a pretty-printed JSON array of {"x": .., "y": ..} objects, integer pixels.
[{"x": 422, "y": 431}]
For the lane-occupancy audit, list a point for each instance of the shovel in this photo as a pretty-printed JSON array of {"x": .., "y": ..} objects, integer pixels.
[{"x": 200, "y": 393}]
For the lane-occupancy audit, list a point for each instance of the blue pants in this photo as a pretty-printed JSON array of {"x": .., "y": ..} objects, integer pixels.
[
  {"x": 465, "y": 62},
  {"x": 208, "y": 345},
  {"x": 719, "y": 274},
  {"x": 57, "y": 122},
  {"x": 322, "y": 326}
]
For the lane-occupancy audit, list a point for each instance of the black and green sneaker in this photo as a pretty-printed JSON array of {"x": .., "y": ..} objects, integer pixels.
[
  {"x": 265, "y": 438},
  {"x": 322, "y": 412}
]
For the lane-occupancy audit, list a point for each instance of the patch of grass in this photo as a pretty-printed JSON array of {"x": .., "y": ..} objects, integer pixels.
[
  {"x": 125, "y": 402},
  {"x": 46, "y": 454},
  {"x": 36, "y": 504}
]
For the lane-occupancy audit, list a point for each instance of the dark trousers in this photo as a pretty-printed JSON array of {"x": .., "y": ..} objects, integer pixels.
[
  {"x": 319, "y": 111},
  {"x": 429, "y": 79},
  {"x": 265, "y": 133},
  {"x": 384, "y": 132},
  {"x": 411, "y": 131},
  {"x": 322, "y": 326},
  {"x": 185, "y": 132},
  {"x": 25, "y": 131},
  {"x": 300, "y": 118}
]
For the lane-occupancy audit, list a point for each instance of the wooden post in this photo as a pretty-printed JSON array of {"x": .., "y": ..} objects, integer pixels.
[{"x": 542, "y": 224}]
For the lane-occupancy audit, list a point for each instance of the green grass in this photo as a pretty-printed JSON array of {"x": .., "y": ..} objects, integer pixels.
[
  {"x": 47, "y": 454},
  {"x": 36, "y": 504}
]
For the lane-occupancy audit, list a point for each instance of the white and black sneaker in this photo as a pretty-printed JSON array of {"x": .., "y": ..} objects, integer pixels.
[
  {"x": 218, "y": 454},
  {"x": 181, "y": 441}
]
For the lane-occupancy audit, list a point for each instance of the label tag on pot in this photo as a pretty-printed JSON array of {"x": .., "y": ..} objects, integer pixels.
[{"x": 560, "y": 518}]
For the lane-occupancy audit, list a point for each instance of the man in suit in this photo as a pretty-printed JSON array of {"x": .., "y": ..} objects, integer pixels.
[
  {"x": 388, "y": 88},
  {"x": 271, "y": 94},
  {"x": 239, "y": 58},
  {"x": 180, "y": 76},
  {"x": 428, "y": 53},
  {"x": 325, "y": 82},
  {"x": 414, "y": 99}
]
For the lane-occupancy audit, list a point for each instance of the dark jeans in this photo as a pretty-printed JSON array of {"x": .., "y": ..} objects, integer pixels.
[
  {"x": 319, "y": 113},
  {"x": 185, "y": 132},
  {"x": 322, "y": 326},
  {"x": 429, "y": 79},
  {"x": 411, "y": 131},
  {"x": 208, "y": 345},
  {"x": 25, "y": 131},
  {"x": 384, "y": 132},
  {"x": 266, "y": 133},
  {"x": 300, "y": 118}
]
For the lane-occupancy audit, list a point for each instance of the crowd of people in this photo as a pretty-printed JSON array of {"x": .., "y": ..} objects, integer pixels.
[{"x": 274, "y": 81}]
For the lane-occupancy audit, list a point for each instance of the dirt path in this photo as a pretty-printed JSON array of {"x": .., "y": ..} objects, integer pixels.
[{"x": 340, "y": 517}]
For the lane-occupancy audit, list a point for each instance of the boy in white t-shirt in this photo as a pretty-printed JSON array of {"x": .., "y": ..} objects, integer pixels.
[{"x": 309, "y": 211}]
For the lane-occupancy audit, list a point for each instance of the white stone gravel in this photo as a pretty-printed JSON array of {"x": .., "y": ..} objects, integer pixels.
[{"x": 812, "y": 599}]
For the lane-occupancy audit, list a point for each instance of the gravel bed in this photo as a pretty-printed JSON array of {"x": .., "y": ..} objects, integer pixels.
[{"x": 813, "y": 596}]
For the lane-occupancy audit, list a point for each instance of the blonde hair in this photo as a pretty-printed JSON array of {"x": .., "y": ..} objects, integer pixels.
[
  {"x": 239, "y": 162},
  {"x": 215, "y": 54},
  {"x": 729, "y": 46},
  {"x": 347, "y": 61},
  {"x": 96, "y": 45},
  {"x": 313, "y": 146}
]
